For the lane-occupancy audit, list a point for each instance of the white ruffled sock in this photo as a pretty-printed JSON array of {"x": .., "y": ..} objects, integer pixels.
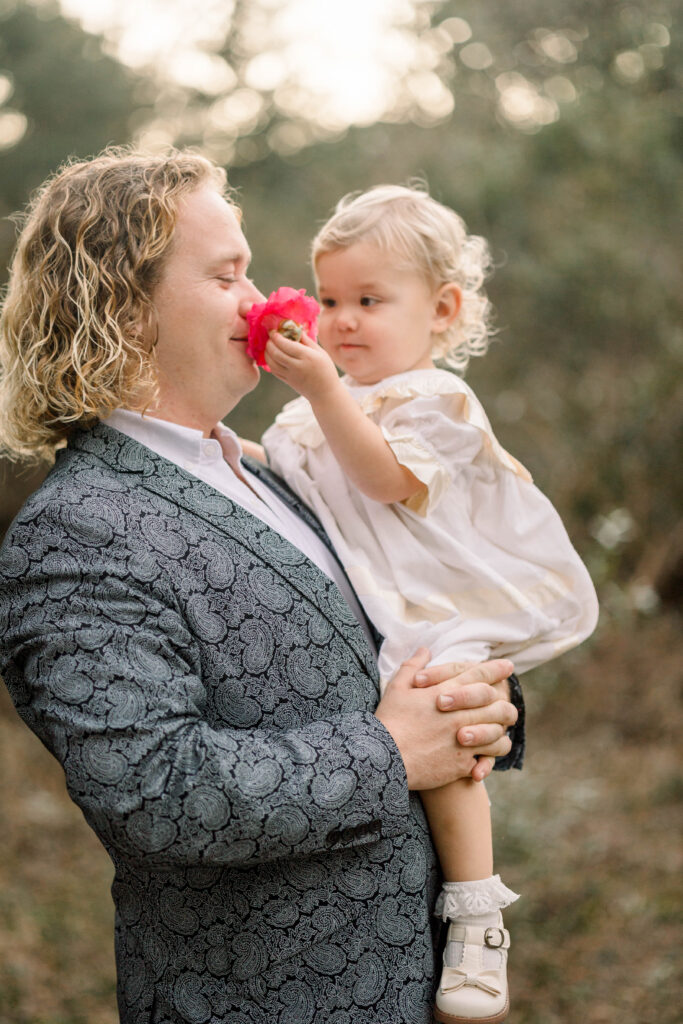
[
  {"x": 484, "y": 896},
  {"x": 476, "y": 903}
]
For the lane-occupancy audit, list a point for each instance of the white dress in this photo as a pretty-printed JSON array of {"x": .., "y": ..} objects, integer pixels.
[{"x": 478, "y": 564}]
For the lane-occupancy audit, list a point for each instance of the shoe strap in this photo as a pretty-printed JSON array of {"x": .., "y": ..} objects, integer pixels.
[{"x": 474, "y": 935}]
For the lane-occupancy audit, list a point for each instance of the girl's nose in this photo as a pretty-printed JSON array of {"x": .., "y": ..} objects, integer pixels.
[{"x": 346, "y": 321}]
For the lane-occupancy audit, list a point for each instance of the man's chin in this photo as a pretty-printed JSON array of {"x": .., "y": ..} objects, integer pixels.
[
  {"x": 248, "y": 380},
  {"x": 257, "y": 375}
]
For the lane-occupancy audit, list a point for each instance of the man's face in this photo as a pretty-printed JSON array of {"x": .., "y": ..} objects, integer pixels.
[{"x": 201, "y": 301}]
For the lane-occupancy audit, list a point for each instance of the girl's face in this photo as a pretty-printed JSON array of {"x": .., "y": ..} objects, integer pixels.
[{"x": 377, "y": 320}]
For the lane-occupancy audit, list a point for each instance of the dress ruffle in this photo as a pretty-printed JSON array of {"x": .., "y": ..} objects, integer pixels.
[
  {"x": 422, "y": 463},
  {"x": 298, "y": 420}
]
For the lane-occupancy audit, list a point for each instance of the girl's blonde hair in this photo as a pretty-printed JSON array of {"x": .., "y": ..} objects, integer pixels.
[
  {"x": 77, "y": 323},
  {"x": 425, "y": 236}
]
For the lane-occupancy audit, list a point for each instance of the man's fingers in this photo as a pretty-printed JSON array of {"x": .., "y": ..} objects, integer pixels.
[
  {"x": 407, "y": 670},
  {"x": 500, "y": 748},
  {"x": 483, "y": 768},
  {"x": 467, "y": 672},
  {"x": 440, "y": 673},
  {"x": 479, "y": 696},
  {"x": 477, "y": 708},
  {"x": 487, "y": 672},
  {"x": 480, "y": 735}
]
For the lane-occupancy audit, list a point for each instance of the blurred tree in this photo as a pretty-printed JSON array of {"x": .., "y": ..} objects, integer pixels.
[
  {"x": 561, "y": 143},
  {"x": 283, "y": 79},
  {"x": 564, "y": 149},
  {"x": 60, "y": 96}
]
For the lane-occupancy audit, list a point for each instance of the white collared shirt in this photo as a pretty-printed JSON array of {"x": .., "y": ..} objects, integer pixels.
[{"x": 216, "y": 460}]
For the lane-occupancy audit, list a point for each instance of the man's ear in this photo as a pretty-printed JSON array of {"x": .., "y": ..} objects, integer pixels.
[{"x": 447, "y": 303}]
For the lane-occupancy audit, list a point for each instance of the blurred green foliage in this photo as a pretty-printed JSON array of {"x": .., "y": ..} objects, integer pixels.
[
  {"x": 76, "y": 99},
  {"x": 579, "y": 201},
  {"x": 583, "y": 381}
]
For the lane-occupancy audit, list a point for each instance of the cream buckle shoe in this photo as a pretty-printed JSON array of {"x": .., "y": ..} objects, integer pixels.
[{"x": 474, "y": 992}]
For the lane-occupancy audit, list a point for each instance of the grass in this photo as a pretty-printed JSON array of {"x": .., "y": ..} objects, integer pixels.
[{"x": 589, "y": 833}]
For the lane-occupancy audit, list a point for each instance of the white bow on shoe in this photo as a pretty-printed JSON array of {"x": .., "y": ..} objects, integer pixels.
[{"x": 454, "y": 978}]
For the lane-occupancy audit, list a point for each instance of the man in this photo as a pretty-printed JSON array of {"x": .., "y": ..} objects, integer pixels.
[{"x": 178, "y": 633}]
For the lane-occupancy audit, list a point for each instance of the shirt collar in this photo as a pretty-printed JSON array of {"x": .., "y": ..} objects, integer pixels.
[{"x": 177, "y": 443}]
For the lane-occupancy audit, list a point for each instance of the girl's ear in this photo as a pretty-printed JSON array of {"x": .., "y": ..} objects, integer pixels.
[{"x": 447, "y": 303}]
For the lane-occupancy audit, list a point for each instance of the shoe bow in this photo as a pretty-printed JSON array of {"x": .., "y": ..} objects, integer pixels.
[{"x": 453, "y": 978}]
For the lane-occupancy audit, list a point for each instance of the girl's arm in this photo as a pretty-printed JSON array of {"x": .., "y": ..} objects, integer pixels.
[
  {"x": 254, "y": 450},
  {"x": 356, "y": 442}
]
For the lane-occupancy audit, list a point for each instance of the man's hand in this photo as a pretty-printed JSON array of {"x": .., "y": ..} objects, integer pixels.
[
  {"x": 454, "y": 671},
  {"x": 304, "y": 365},
  {"x": 439, "y": 747}
]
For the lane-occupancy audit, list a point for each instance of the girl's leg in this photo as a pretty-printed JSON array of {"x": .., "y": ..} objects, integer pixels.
[
  {"x": 473, "y": 984},
  {"x": 459, "y": 817}
]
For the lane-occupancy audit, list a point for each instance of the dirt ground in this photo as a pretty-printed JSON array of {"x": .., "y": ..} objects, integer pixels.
[{"x": 589, "y": 833}]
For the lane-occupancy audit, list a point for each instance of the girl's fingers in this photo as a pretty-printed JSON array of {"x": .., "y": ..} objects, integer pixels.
[
  {"x": 289, "y": 346},
  {"x": 283, "y": 342}
]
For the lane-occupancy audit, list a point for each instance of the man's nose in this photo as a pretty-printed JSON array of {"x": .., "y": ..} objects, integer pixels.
[{"x": 250, "y": 295}]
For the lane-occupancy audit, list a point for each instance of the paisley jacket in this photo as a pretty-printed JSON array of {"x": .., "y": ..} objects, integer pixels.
[{"x": 209, "y": 695}]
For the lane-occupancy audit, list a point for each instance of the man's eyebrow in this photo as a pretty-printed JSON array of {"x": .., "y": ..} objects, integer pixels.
[{"x": 241, "y": 257}]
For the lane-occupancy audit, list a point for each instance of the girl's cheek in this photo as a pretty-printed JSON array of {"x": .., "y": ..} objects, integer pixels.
[{"x": 322, "y": 331}]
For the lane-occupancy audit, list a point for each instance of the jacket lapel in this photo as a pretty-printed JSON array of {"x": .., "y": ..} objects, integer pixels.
[
  {"x": 164, "y": 478},
  {"x": 287, "y": 495}
]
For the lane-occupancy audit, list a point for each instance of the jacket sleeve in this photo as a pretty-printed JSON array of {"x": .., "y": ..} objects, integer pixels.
[{"x": 106, "y": 672}]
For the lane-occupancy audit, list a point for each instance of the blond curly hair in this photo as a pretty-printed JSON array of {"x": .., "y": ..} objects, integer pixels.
[
  {"x": 425, "y": 236},
  {"x": 77, "y": 325}
]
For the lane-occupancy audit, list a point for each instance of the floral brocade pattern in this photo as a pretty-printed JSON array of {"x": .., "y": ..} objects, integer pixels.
[{"x": 209, "y": 695}]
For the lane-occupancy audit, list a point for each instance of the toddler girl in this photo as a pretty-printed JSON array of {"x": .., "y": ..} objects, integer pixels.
[{"x": 443, "y": 535}]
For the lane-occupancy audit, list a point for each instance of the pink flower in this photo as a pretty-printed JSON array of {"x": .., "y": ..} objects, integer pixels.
[{"x": 284, "y": 304}]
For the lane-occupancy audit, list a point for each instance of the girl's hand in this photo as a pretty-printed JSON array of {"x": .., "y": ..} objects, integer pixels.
[{"x": 304, "y": 365}]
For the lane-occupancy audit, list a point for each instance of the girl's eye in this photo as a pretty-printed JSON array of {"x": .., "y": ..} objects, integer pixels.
[
  {"x": 227, "y": 280},
  {"x": 368, "y": 300},
  {"x": 328, "y": 303}
]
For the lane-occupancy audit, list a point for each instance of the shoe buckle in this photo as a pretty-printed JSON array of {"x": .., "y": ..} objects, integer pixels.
[{"x": 490, "y": 936}]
